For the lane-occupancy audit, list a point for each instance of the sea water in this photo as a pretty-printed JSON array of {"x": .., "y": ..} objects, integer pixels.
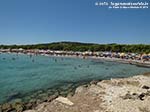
[{"x": 22, "y": 75}]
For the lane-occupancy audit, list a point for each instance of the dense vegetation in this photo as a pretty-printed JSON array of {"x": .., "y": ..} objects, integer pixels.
[{"x": 76, "y": 46}]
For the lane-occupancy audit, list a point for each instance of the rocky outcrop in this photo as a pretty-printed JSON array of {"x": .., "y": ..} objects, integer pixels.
[
  {"x": 16, "y": 106},
  {"x": 127, "y": 95},
  {"x": 116, "y": 95}
]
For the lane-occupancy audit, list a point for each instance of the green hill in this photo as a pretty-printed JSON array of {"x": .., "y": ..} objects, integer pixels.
[{"x": 78, "y": 46}]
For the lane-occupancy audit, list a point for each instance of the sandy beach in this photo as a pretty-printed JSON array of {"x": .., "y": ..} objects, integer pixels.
[
  {"x": 135, "y": 60},
  {"x": 127, "y": 61},
  {"x": 139, "y": 63}
]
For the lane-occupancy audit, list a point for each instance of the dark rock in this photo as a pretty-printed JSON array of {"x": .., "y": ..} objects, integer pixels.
[
  {"x": 51, "y": 98},
  {"x": 32, "y": 103},
  {"x": 127, "y": 96},
  {"x": 29, "y": 106},
  {"x": 134, "y": 94},
  {"x": 13, "y": 111},
  {"x": 86, "y": 85},
  {"x": 131, "y": 96},
  {"x": 44, "y": 99},
  {"x": 145, "y": 87},
  {"x": 94, "y": 82},
  {"x": 141, "y": 96}
]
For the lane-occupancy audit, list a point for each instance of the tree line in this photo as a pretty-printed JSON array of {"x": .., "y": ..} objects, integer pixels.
[{"x": 77, "y": 46}]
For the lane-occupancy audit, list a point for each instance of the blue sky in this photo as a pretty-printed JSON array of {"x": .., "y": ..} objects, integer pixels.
[{"x": 44, "y": 21}]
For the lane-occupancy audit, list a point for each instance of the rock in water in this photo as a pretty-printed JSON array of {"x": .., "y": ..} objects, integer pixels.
[
  {"x": 13, "y": 96},
  {"x": 6, "y": 107},
  {"x": 52, "y": 97},
  {"x": 0, "y": 108}
]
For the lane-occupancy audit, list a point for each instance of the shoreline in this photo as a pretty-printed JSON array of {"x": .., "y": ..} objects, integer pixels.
[
  {"x": 125, "y": 61},
  {"x": 57, "y": 99},
  {"x": 139, "y": 63},
  {"x": 130, "y": 94},
  {"x": 39, "y": 97}
]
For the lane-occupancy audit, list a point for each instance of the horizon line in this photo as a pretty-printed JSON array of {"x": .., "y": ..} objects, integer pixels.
[{"x": 77, "y": 42}]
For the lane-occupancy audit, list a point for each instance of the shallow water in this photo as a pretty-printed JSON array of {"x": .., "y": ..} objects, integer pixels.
[{"x": 22, "y": 75}]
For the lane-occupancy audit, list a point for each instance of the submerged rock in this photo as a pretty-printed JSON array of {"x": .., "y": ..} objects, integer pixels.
[
  {"x": 30, "y": 104},
  {"x": 19, "y": 108},
  {"x": 0, "y": 108},
  {"x": 50, "y": 92},
  {"x": 18, "y": 105},
  {"x": 52, "y": 97},
  {"x": 43, "y": 97},
  {"x": 13, "y": 96},
  {"x": 6, "y": 107},
  {"x": 40, "y": 92}
]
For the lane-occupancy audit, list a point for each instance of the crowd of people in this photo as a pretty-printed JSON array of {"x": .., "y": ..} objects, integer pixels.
[{"x": 129, "y": 56}]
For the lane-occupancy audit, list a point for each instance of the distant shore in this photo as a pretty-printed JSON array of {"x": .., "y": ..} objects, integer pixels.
[
  {"x": 136, "y": 61},
  {"x": 133, "y": 62}
]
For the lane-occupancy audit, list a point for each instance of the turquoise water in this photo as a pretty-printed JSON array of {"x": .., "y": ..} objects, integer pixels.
[{"x": 21, "y": 75}]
